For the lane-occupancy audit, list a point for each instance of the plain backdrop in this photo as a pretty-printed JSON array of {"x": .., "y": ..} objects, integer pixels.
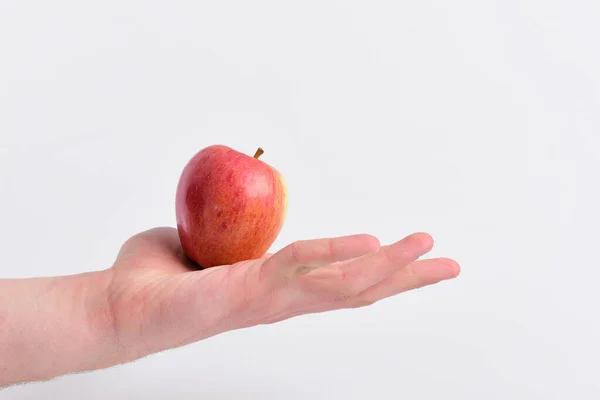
[{"x": 478, "y": 122}]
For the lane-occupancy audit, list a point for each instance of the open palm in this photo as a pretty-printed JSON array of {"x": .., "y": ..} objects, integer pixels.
[{"x": 158, "y": 299}]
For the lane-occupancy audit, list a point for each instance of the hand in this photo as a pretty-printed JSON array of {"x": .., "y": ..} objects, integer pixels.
[
  {"x": 153, "y": 298},
  {"x": 157, "y": 299}
]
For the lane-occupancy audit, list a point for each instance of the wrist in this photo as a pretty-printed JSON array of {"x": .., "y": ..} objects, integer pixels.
[{"x": 54, "y": 326}]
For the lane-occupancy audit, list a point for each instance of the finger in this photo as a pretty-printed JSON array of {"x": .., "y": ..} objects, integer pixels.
[
  {"x": 303, "y": 256},
  {"x": 157, "y": 240},
  {"x": 161, "y": 243},
  {"x": 360, "y": 274},
  {"x": 414, "y": 276}
]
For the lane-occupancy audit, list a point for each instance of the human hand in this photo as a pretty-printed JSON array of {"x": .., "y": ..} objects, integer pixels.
[
  {"x": 153, "y": 298},
  {"x": 157, "y": 299}
]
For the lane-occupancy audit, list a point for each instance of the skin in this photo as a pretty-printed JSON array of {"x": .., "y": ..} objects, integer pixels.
[
  {"x": 152, "y": 299},
  {"x": 230, "y": 206}
]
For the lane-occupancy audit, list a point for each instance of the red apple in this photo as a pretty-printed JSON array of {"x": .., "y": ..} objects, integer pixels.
[{"x": 230, "y": 206}]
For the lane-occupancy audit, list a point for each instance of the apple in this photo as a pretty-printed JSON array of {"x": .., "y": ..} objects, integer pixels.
[{"x": 230, "y": 206}]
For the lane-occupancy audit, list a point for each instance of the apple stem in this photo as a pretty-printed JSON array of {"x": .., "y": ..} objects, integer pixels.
[{"x": 259, "y": 152}]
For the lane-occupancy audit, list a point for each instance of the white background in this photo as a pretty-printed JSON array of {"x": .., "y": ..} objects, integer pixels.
[{"x": 475, "y": 121}]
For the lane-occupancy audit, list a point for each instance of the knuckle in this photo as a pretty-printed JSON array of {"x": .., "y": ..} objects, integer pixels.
[
  {"x": 409, "y": 272},
  {"x": 295, "y": 252}
]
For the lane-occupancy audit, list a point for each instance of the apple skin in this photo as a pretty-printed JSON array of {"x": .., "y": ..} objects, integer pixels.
[{"x": 230, "y": 206}]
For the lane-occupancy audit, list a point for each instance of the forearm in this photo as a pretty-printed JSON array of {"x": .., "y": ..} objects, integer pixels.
[{"x": 54, "y": 326}]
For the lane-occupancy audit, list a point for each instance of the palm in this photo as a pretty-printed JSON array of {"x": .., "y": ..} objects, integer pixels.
[{"x": 159, "y": 300}]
